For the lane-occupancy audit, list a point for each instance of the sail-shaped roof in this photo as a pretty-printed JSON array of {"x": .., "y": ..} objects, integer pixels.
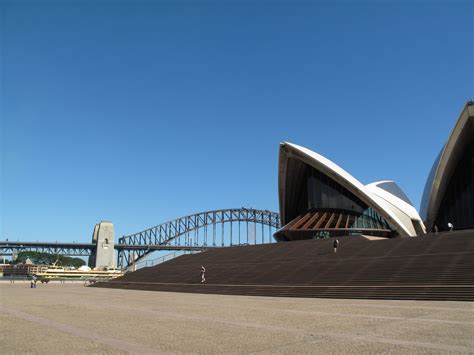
[
  {"x": 290, "y": 177},
  {"x": 459, "y": 142}
]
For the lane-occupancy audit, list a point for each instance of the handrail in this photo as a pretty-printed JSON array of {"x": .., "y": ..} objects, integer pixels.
[{"x": 162, "y": 259}]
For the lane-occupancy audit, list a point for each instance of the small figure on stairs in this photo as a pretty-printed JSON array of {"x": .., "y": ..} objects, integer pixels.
[{"x": 203, "y": 271}]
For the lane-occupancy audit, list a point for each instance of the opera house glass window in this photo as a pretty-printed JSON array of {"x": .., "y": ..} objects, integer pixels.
[{"x": 325, "y": 194}]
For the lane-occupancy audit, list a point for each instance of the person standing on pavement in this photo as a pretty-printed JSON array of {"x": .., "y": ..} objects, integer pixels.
[
  {"x": 203, "y": 272},
  {"x": 335, "y": 245}
]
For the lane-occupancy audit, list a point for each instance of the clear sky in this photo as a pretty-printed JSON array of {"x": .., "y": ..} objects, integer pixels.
[{"x": 138, "y": 112}]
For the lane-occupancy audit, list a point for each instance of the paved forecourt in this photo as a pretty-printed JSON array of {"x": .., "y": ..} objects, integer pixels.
[{"x": 73, "y": 318}]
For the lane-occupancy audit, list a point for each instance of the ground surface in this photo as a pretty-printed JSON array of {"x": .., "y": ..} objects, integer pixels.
[{"x": 71, "y": 318}]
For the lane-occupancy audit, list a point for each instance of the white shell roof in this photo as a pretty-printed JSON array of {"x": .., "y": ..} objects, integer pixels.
[
  {"x": 446, "y": 162},
  {"x": 341, "y": 176},
  {"x": 391, "y": 192}
]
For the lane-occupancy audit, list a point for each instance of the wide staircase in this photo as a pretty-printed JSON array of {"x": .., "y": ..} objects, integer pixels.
[{"x": 430, "y": 267}]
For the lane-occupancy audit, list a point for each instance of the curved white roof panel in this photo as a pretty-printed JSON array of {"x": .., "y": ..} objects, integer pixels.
[
  {"x": 445, "y": 164},
  {"x": 343, "y": 178},
  {"x": 390, "y": 195},
  {"x": 391, "y": 192}
]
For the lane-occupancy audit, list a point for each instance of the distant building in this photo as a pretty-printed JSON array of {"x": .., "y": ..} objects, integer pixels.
[
  {"x": 449, "y": 191},
  {"x": 318, "y": 198}
]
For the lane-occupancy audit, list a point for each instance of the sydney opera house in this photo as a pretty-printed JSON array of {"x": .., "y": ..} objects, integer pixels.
[
  {"x": 449, "y": 191},
  {"x": 320, "y": 199}
]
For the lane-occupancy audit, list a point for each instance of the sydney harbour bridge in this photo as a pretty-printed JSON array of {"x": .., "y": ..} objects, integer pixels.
[{"x": 196, "y": 232}]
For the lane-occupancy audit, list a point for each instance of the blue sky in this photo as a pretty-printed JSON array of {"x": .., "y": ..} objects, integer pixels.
[{"x": 140, "y": 112}]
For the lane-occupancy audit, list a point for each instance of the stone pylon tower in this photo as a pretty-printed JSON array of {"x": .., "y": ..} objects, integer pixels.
[{"x": 104, "y": 254}]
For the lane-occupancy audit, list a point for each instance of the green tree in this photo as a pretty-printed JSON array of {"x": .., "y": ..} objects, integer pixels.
[{"x": 48, "y": 259}]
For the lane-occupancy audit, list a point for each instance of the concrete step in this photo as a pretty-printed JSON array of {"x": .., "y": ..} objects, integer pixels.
[{"x": 438, "y": 268}]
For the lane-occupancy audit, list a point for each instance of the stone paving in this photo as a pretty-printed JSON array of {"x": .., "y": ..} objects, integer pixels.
[{"x": 71, "y": 318}]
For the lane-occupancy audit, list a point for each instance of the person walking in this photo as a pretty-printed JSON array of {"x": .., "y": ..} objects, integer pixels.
[
  {"x": 450, "y": 226},
  {"x": 436, "y": 229},
  {"x": 335, "y": 245},
  {"x": 203, "y": 272}
]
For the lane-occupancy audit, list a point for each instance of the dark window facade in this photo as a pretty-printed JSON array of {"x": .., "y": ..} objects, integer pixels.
[
  {"x": 325, "y": 193},
  {"x": 311, "y": 190},
  {"x": 457, "y": 205}
]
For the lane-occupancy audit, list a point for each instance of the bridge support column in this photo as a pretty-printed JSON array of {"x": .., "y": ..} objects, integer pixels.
[{"x": 104, "y": 254}]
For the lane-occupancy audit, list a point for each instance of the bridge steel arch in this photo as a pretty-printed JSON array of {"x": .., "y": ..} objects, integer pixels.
[{"x": 186, "y": 231}]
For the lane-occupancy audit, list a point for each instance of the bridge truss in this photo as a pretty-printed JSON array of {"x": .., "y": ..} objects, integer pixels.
[
  {"x": 197, "y": 232},
  {"x": 72, "y": 249},
  {"x": 219, "y": 228}
]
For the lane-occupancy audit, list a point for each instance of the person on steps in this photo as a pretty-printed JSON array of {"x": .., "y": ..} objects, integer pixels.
[
  {"x": 336, "y": 245},
  {"x": 203, "y": 271},
  {"x": 450, "y": 227}
]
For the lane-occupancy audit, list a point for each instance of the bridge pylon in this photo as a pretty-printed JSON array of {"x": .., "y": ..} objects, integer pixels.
[{"x": 103, "y": 256}]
